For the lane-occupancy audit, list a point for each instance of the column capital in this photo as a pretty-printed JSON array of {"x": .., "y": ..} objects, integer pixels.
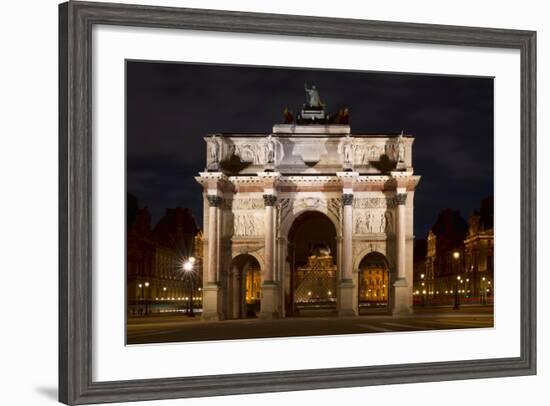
[
  {"x": 400, "y": 198},
  {"x": 214, "y": 200},
  {"x": 269, "y": 200},
  {"x": 347, "y": 199}
]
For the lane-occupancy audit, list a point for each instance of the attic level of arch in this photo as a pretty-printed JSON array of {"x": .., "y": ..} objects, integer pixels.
[{"x": 309, "y": 149}]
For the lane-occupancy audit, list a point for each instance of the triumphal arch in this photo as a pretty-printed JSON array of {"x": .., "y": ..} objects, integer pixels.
[{"x": 308, "y": 219}]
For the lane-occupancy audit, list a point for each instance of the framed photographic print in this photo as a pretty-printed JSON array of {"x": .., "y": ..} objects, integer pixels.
[{"x": 254, "y": 202}]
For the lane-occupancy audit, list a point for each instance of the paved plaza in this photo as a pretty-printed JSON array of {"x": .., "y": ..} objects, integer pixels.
[{"x": 180, "y": 328}]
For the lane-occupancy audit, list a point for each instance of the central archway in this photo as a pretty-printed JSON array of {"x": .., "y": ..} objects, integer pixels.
[{"x": 312, "y": 256}]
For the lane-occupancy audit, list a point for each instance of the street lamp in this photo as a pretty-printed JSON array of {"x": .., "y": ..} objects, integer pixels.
[
  {"x": 143, "y": 294},
  {"x": 483, "y": 291},
  {"x": 423, "y": 291},
  {"x": 456, "y": 256},
  {"x": 140, "y": 286},
  {"x": 188, "y": 269},
  {"x": 146, "y": 284}
]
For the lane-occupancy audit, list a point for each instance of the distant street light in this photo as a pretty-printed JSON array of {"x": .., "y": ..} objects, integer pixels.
[
  {"x": 188, "y": 269},
  {"x": 456, "y": 256},
  {"x": 143, "y": 294},
  {"x": 423, "y": 291}
]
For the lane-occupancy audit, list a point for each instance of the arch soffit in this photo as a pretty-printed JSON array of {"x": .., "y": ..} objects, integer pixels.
[
  {"x": 297, "y": 212},
  {"x": 252, "y": 254},
  {"x": 362, "y": 254}
]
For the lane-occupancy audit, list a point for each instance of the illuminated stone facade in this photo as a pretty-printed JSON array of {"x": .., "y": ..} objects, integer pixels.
[
  {"x": 155, "y": 281},
  {"x": 256, "y": 186},
  {"x": 459, "y": 258}
]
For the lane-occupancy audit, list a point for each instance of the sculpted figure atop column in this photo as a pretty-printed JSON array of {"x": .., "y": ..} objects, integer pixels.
[
  {"x": 400, "y": 148},
  {"x": 214, "y": 148},
  {"x": 312, "y": 97}
]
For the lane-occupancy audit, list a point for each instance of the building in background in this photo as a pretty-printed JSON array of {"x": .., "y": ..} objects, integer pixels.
[
  {"x": 457, "y": 264},
  {"x": 156, "y": 280},
  {"x": 478, "y": 254}
]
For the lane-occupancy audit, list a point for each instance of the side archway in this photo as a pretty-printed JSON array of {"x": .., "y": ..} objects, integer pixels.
[
  {"x": 375, "y": 284},
  {"x": 245, "y": 286}
]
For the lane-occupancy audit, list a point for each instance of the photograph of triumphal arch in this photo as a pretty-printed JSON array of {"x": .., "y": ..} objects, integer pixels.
[{"x": 269, "y": 202}]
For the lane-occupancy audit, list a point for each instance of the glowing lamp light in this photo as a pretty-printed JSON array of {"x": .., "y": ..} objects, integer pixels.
[{"x": 187, "y": 266}]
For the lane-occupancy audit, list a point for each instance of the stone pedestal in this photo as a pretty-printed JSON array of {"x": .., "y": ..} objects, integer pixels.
[
  {"x": 403, "y": 305},
  {"x": 269, "y": 304},
  {"x": 401, "y": 166},
  {"x": 211, "y": 302},
  {"x": 312, "y": 114},
  {"x": 213, "y": 167},
  {"x": 346, "y": 298}
]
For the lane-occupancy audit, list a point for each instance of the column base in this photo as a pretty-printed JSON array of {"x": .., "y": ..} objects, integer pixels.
[
  {"x": 269, "y": 308},
  {"x": 403, "y": 302},
  {"x": 345, "y": 298},
  {"x": 211, "y": 303}
]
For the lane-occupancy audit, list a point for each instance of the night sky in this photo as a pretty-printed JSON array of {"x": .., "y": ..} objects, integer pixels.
[{"x": 171, "y": 106}]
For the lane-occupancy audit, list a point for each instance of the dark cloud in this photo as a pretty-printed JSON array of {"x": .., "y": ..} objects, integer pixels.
[{"x": 172, "y": 106}]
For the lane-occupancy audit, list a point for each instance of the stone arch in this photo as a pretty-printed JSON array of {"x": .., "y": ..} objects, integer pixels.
[
  {"x": 374, "y": 283},
  {"x": 309, "y": 273},
  {"x": 244, "y": 285},
  {"x": 254, "y": 254},
  {"x": 380, "y": 249},
  {"x": 287, "y": 223}
]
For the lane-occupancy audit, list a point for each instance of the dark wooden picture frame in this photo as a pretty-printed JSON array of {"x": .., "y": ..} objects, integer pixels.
[{"x": 76, "y": 20}]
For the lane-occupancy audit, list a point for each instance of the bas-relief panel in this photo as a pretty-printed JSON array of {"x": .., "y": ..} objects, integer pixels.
[
  {"x": 372, "y": 221},
  {"x": 247, "y": 204},
  {"x": 248, "y": 223},
  {"x": 377, "y": 202},
  {"x": 373, "y": 215}
]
